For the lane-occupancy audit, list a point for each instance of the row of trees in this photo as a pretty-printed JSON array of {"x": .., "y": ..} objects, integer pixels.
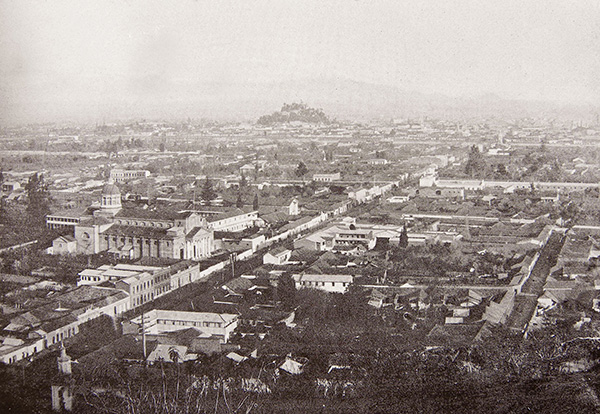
[
  {"x": 535, "y": 165},
  {"x": 208, "y": 193}
]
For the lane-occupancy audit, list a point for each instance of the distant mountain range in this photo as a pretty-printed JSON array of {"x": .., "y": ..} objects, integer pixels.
[{"x": 345, "y": 100}]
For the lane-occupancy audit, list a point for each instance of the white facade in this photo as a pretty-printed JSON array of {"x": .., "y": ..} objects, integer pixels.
[
  {"x": 112, "y": 273},
  {"x": 398, "y": 199},
  {"x": 234, "y": 223},
  {"x": 327, "y": 177},
  {"x": 120, "y": 176},
  {"x": 214, "y": 324},
  {"x": 139, "y": 287},
  {"x": 277, "y": 257},
  {"x": 294, "y": 209},
  {"x": 63, "y": 245},
  {"x": 58, "y": 221},
  {"x": 12, "y": 349},
  {"x": 327, "y": 283}
]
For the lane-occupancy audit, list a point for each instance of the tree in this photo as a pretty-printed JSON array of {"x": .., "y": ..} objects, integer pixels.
[
  {"x": 239, "y": 203},
  {"x": 286, "y": 291},
  {"x": 403, "y": 238},
  {"x": 501, "y": 170},
  {"x": 174, "y": 355},
  {"x": 3, "y": 212},
  {"x": 243, "y": 181},
  {"x": 301, "y": 170},
  {"x": 38, "y": 200},
  {"x": 111, "y": 147},
  {"x": 4, "y": 219},
  {"x": 255, "y": 202},
  {"x": 208, "y": 193},
  {"x": 475, "y": 163}
]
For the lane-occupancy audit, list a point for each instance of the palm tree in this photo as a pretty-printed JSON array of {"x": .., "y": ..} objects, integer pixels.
[{"x": 174, "y": 355}]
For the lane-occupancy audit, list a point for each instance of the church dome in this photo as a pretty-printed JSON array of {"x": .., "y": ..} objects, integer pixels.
[
  {"x": 111, "y": 199},
  {"x": 110, "y": 190}
]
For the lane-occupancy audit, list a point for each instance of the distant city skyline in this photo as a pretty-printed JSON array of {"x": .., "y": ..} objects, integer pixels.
[{"x": 74, "y": 60}]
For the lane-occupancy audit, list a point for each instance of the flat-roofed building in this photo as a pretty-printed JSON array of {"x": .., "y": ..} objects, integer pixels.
[
  {"x": 120, "y": 175},
  {"x": 112, "y": 273},
  {"x": 327, "y": 177},
  {"x": 353, "y": 237},
  {"x": 65, "y": 219},
  {"x": 142, "y": 283},
  {"x": 159, "y": 321},
  {"x": 327, "y": 283}
]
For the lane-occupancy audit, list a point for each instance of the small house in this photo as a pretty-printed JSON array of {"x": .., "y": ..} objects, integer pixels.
[
  {"x": 63, "y": 245},
  {"x": 327, "y": 283},
  {"x": 278, "y": 256}
]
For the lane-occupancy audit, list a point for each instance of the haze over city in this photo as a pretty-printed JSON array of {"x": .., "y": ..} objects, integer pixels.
[
  {"x": 299, "y": 206},
  {"x": 68, "y": 60}
]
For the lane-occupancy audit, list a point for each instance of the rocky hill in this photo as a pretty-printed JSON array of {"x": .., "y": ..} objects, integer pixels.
[{"x": 299, "y": 112}]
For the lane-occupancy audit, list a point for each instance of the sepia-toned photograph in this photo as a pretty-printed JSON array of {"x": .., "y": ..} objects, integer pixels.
[{"x": 299, "y": 206}]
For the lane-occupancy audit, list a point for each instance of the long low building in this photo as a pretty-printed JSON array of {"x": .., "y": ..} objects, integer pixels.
[
  {"x": 219, "y": 325},
  {"x": 327, "y": 283},
  {"x": 120, "y": 175},
  {"x": 349, "y": 233},
  {"x": 508, "y": 186},
  {"x": 142, "y": 283},
  {"x": 57, "y": 319},
  {"x": 112, "y": 273}
]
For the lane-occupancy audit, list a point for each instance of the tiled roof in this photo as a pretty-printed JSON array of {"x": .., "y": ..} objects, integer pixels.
[
  {"x": 275, "y": 217},
  {"x": 239, "y": 284},
  {"x": 279, "y": 250},
  {"x": 161, "y": 214},
  {"x": 227, "y": 214},
  {"x": 56, "y": 323},
  {"x": 135, "y": 231}
]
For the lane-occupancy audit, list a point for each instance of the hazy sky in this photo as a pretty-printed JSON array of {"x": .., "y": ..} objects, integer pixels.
[{"x": 74, "y": 57}]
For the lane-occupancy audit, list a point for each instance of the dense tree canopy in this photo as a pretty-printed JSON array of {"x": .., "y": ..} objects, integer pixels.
[
  {"x": 208, "y": 193},
  {"x": 301, "y": 170}
]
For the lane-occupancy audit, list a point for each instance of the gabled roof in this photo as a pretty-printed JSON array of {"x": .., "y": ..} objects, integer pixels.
[
  {"x": 66, "y": 239},
  {"x": 279, "y": 251},
  {"x": 239, "y": 285},
  {"x": 54, "y": 324},
  {"x": 553, "y": 284},
  {"x": 134, "y": 231},
  {"x": 292, "y": 367},
  {"x": 197, "y": 231},
  {"x": 164, "y": 352}
]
